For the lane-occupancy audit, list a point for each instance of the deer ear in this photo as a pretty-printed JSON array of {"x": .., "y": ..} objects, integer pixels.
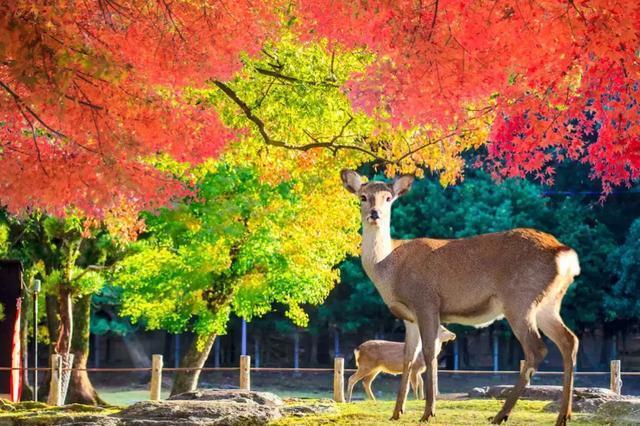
[
  {"x": 351, "y": 180},
  {"x": 402, "y": 184}
]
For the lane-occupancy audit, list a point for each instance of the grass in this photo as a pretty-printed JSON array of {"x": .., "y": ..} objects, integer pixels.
[
  {"x": 470, "y": 412},
  {"x": 122, "y": 397}
]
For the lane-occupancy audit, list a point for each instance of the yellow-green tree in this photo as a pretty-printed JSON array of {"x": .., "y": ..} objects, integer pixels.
[{"x": 241, "y": 245}]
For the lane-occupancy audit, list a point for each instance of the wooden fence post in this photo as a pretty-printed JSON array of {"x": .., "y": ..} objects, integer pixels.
[
  {"x": 156, "y": 377},
  {"x": 616, "y": 377},
  {"x": 245, "y": 372},
  {"x": 55, "y": 386},
  {"x": 338, "y": 379}
]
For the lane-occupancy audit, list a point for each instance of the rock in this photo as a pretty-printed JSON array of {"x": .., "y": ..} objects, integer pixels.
[
  {"x": 298, "y": 407},
  {"x": 587, "y": 400},
  {"x": 29, "y": 405},
  {"x": 621, "y": 412},
  {"x": 61, "y": 419},
  {"x": 30, "y": 413},
  {"x": 478, "y": 392},
  {"x": 197, "y": 408},
  {"x": 242, "y": 396},
  {"x": 6, "y": 405},
  {"x": 539, "y": 392},
  {"x": 198, "y": 412}
]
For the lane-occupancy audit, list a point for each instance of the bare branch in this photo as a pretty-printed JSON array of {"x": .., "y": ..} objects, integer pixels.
[
  {"x": 433, "y": 22},
  {"x": 21, "y": 104},
  {"x": 332, "y": 144}
]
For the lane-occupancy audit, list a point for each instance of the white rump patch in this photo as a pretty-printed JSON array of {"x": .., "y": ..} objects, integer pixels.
[{"x": 568, "y": 264}]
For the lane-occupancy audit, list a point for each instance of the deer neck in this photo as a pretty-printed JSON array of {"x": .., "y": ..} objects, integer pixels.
[{"x": 376, "y": 246}]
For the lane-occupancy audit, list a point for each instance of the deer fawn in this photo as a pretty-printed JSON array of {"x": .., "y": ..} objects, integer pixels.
[
  {"x": 521, "y": 275},
  {"x": 381, "y": 356}
]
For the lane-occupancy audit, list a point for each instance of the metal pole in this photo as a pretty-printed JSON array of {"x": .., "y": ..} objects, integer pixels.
[
  {"x": 176, "y": 350},
  {"x": 36, "y": 290},
  {"x": 456, "y": 355},
  {"x": 296, "y": 349},
  {"x": 496, "y": 355},
  {"x": 243, "y": 348}
]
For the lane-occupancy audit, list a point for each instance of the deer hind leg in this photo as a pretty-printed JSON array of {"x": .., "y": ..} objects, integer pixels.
[
  {"x": 429, "y": 326},
  {"x": 414, "y": 378},
  {"x": 412, "y": 346},
  {"x": 353, "y": 380},
  {"x": 367, "y": 381},
  {"x": 526, "y": 331},
  {"x": 553, "y": 327}
]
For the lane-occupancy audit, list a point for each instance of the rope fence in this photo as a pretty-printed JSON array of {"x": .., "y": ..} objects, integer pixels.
[{"x": 338, "y": 371}]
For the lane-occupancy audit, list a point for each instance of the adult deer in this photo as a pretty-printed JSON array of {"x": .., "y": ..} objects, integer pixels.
[
  {"x": 381, "y": 356},
  {"x": 521, "y": 274}
]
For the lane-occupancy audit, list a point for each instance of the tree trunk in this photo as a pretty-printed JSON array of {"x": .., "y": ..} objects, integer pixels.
[
  {"x": 81, "y": 389},
  {"x": 65, "y": 331},
  {"x": 186, "y": 381},
  {"x": 53, "y": 325}
]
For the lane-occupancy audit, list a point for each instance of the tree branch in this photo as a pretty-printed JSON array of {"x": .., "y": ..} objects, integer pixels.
[
  {"x": 291, "y": 79},
  {"x": 331, "y": 145},
  {"x": 21, "y": 104},
  {"x": 433, "y": 22}
]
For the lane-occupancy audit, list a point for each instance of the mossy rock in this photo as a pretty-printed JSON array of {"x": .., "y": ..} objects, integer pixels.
[
  {"x": 79, "y": 408},
  {"x": 621, "y": 412},
  {"x": 6, "y": 405},
  {"x": 30, "y": 405},
  {"x": 66, "y": 419}
]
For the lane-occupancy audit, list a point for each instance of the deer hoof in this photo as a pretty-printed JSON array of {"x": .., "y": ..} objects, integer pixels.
[
  {"x": 499, "y": 418},
  {"x": 426, "y": 416},
  {"x": 562, "y": 420}
]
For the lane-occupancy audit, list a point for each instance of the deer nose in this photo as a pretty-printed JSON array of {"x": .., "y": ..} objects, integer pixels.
[{"x": 374, "y": 214}]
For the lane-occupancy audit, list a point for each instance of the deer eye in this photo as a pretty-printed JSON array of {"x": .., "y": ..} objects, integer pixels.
[
  {"x": 363, "y": 197},
  {"x": 388, "y": 199}
]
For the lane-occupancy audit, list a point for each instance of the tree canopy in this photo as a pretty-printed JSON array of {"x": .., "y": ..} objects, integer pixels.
[
  {"x": 92, "y": 92},
  {"x": 242, "y": 245}
]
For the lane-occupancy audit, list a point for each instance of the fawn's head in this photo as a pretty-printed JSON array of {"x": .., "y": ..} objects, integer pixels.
[{"x": 375, "y": 197}]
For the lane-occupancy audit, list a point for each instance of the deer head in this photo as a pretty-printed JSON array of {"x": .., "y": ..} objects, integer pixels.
[{"x": 376, "y": 198}]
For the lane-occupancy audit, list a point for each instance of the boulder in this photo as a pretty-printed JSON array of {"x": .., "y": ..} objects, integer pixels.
[
  {"x": 237, "y": 395},
  {"x": 197, "y": 408},
  {"x": 205, "y": 407},
  {"x": 588, "y": 400},
  {"x": 620, "y": 412}
]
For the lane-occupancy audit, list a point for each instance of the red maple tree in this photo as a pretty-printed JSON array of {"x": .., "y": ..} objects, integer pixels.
[
  {"x": 560, "y": 77},
  {"x": 91, "y": 89}
]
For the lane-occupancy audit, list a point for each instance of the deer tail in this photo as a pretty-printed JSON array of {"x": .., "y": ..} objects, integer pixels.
[{"x": 356, "y": 354}]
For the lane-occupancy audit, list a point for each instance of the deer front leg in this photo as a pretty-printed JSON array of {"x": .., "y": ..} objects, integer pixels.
[
  {"x": 429, "y": 323},
  {"x": 411, "y": 348}
]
